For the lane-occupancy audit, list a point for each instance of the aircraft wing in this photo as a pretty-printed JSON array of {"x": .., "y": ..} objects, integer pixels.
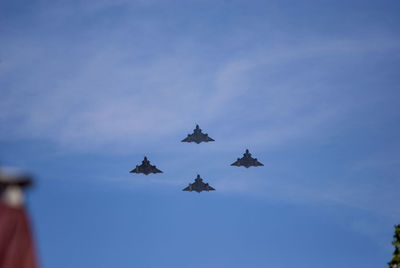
[
  {"x": 209, "y": 139},
  {"x": 259, "y": 163},
  {"x": 209, "y": 188},
  {"x": 189, "y": 188},
  {"x": 156, "y": 170},
  {"x": 236, "y": 163},
  {"x": 135, "y": 170},
  {"x": 187, "y": 139}
]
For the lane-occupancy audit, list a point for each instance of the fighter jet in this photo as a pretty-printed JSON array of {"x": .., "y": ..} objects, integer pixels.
[
  {"x": 198, "y": 186},
  {"x": 145, "y": 168},
  {"x": 247, "y": 161},
  {"x": 197, "y": 136}
]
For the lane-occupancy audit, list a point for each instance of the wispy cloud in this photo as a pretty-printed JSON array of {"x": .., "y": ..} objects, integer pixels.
[
  {"x": 127, "y": 86},
  {"x": 372, "y": 197},
  {"x": 112, "y": 95}
]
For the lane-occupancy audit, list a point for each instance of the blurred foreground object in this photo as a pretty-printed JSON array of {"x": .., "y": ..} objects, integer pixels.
[
  {"x": 16, "y": 243},
  {"x": 395, "y": 263}
]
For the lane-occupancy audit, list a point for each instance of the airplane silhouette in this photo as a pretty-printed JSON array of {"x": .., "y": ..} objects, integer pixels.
[
  {"x": 247, "y": 161},
  {"x": 198, "y": 186},
  {"x": 197, "y": 136},
  {"x": 145, "y": 168}
]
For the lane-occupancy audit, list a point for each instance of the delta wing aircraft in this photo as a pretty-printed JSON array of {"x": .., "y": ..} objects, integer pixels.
[
  {"x": 197, "y": 136},
  {"x": 145, "y": 168},
  {"x": 198, "y": 186},
  {"x": 247, "y": 161}
]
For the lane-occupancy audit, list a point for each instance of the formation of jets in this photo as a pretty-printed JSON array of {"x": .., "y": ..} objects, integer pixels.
[{"x": 198, "y": 185}]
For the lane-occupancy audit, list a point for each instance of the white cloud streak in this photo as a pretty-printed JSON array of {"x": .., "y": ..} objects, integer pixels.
[{"x": 112, "y": 97}]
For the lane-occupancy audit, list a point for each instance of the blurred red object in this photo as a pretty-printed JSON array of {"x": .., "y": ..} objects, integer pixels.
[{"x": 16, "y": 242}]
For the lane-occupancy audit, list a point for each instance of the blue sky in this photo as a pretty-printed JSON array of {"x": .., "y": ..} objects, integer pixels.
[{"x": 88, "y": 88}]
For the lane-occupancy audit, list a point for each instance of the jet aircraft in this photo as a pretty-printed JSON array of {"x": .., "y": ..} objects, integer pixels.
[
  {"x": 145, "y": 168},
  {"x": 197, "y": 136},
  {"x": 198, "y": 186},
  {"x": 247, "y": 161}
]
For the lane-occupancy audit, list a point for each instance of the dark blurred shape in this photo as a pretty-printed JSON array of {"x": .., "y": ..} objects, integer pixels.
[
  {"x": 198, "y": 186},
  {"x": 395, "y": 262},
  {"x": 247, "y": 161},
  {"x": 16, "y": 242},
  {"x": 197, "y": 136},
  {"x": 146, "y": 168},
  {"x": 16, "y": 179}
]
